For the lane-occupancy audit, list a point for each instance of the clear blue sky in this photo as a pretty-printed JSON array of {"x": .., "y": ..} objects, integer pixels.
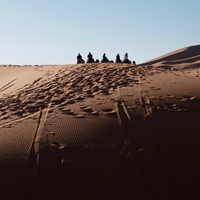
[{"x": 55, "y": 31}]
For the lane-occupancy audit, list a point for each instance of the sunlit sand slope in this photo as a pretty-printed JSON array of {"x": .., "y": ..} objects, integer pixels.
[{"x": 185, "y": 58}]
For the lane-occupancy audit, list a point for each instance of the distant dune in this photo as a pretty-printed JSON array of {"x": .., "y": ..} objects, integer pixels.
[{"x": 185, "y": 58}]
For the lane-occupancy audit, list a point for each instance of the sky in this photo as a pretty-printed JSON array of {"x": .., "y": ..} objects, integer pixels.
[{"x": 55, "y": 31}]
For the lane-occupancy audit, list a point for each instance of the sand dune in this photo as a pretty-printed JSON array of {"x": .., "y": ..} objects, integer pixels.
[
  {"x": 101, "y": 131},
  {"x": 185, "y": 58}
]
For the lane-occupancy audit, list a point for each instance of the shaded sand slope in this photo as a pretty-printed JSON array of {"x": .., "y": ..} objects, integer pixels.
[
  {"x": 185, "y": 58},
  {"x": 102, "y": 131}
]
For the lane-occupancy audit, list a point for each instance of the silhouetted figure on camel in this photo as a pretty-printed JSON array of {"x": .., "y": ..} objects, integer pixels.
[
  {"x": 126, "y": 60},
  {"x": 90, "y": 58},
  {"x": 118, "y": 60},
  {"x": 105, "y": 59},
  {"x": 80, "y": 59}
]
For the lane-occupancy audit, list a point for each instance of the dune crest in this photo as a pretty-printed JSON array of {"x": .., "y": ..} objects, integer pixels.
[{"x": 185, "y": 58}]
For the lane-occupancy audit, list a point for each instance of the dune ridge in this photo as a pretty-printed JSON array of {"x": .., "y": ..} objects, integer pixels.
[{"x": 185, "y": 58}]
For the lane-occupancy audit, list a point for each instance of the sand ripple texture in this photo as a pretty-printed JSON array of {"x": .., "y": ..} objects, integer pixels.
[{"x": 14, "y": 155}]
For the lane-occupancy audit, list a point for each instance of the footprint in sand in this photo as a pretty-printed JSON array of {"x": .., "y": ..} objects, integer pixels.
[
  {"x": 96, "y": 93},
  {"x": 32, "y": 108},
  {"x": 68, "y": 101},
  {"x": 175, "y": 107},
  {"x": 87, "y": 109},
  {"x": 40, "y": 102},
  {"x": 6, "y": 116},
  {"x": 27, "y": 101},
  {"x": 19, "y": 112},
  {"x": 184, "y": 100},
  {"x": 96, "y": 113},
  {"x": 58, "y": 100},
  {"x": 110, "y": 112},
  {"x": 193, "y": 98},
  {"x": 68, "y": 111},
  {"x": 4, "y": 108},
  {"x": 79, "y": 98},
  {"x": 79, "y": 116},
  {"x": 3, "y": 113}
]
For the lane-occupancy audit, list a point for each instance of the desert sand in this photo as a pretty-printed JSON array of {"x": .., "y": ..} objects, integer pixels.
[
  {"x": 185, "y": 58},
  {"x": 101, "y": 131}
]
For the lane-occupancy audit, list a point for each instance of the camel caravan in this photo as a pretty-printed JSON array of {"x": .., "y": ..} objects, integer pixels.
[{"x": 104, "y": 59}]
